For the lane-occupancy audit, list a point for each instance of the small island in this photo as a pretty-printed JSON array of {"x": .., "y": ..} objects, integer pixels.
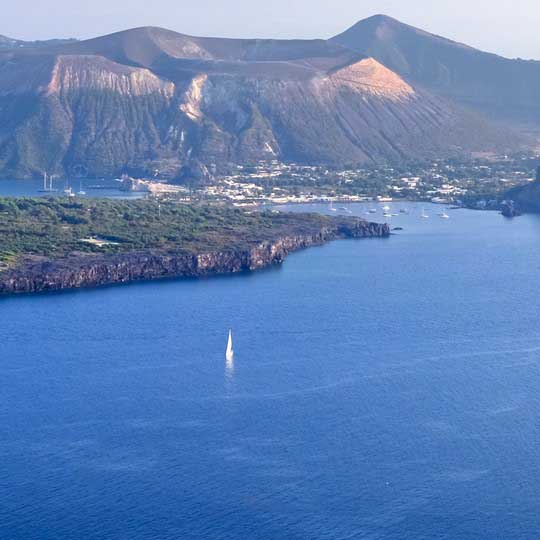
[{"x": 49, "y": 244}]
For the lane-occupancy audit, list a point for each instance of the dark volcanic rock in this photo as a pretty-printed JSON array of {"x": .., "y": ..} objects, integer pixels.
[
  {"x": 509, "y": 210},
  {"x": 33, "y": 276}
]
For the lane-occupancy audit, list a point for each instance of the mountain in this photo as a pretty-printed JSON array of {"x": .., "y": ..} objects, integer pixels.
[
  {"x": 504, "y": 89},
  {"x": 149, "y": 98},
  {"x": 10, "y": 43},
  {"x": 6, "y": 42}
]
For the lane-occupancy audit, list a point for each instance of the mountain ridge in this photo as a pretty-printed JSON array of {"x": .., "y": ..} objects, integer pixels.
[
  {"x": 8, "y": 43},
  {"x": 140, "y": 98},
  {"x": 504, "y": 89}
]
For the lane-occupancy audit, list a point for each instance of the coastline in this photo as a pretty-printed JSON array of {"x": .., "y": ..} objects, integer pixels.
[{"x": 36, "y": 275}]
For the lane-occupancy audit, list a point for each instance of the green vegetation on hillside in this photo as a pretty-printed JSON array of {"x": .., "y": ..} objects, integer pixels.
[{"x": 56, "y": 227}]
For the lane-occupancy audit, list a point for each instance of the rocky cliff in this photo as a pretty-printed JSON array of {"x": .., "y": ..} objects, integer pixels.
[{"x": 34, "y": 275}]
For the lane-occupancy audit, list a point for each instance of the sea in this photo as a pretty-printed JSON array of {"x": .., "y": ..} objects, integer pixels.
[{"x": 381, "y": 389}]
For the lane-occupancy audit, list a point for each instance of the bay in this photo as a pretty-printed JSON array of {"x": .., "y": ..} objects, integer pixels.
[{"x": 380, "y": 389}]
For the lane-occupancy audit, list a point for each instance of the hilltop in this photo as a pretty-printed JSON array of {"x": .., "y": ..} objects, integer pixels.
[{"x": 507, "y": 90}]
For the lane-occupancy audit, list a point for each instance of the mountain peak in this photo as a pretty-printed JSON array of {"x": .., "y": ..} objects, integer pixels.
[
  {"x": 477, "y": 79},
  {"x": 380, "y": 18},
  {"x": 378, "y": 21},
  {"x": 384, "y": 28},
  {"x": 138, "y": 46}
]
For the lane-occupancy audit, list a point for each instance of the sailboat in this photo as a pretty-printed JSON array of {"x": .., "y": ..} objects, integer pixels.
[
  {"x": 229, "y": 353},
  {"x": 444, "y": 215},
  {"x": 424, "y": 215},
  {"x": 47, "y": 183},
  {"x": 81, "y": 191}
]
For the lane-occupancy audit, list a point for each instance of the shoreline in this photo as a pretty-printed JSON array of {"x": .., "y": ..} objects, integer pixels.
[
  {"x": 247, "y": 203},
  {"x": 34, "y": 275}
]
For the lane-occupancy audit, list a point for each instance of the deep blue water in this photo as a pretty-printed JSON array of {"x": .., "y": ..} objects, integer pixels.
[{"x": 381, "y": 389}]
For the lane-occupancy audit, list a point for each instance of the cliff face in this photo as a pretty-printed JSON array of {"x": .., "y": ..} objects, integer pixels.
[{"x": 32, "y": 276}]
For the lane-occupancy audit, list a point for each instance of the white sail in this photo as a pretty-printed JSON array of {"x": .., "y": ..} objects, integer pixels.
[{"x": 229, "y": 353}]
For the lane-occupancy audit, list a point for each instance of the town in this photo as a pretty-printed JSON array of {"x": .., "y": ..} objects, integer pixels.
[{"x": 479, "y": 183}]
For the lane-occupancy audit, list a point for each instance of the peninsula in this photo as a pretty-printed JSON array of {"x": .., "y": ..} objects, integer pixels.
[{"x": 51, "y": 244}]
